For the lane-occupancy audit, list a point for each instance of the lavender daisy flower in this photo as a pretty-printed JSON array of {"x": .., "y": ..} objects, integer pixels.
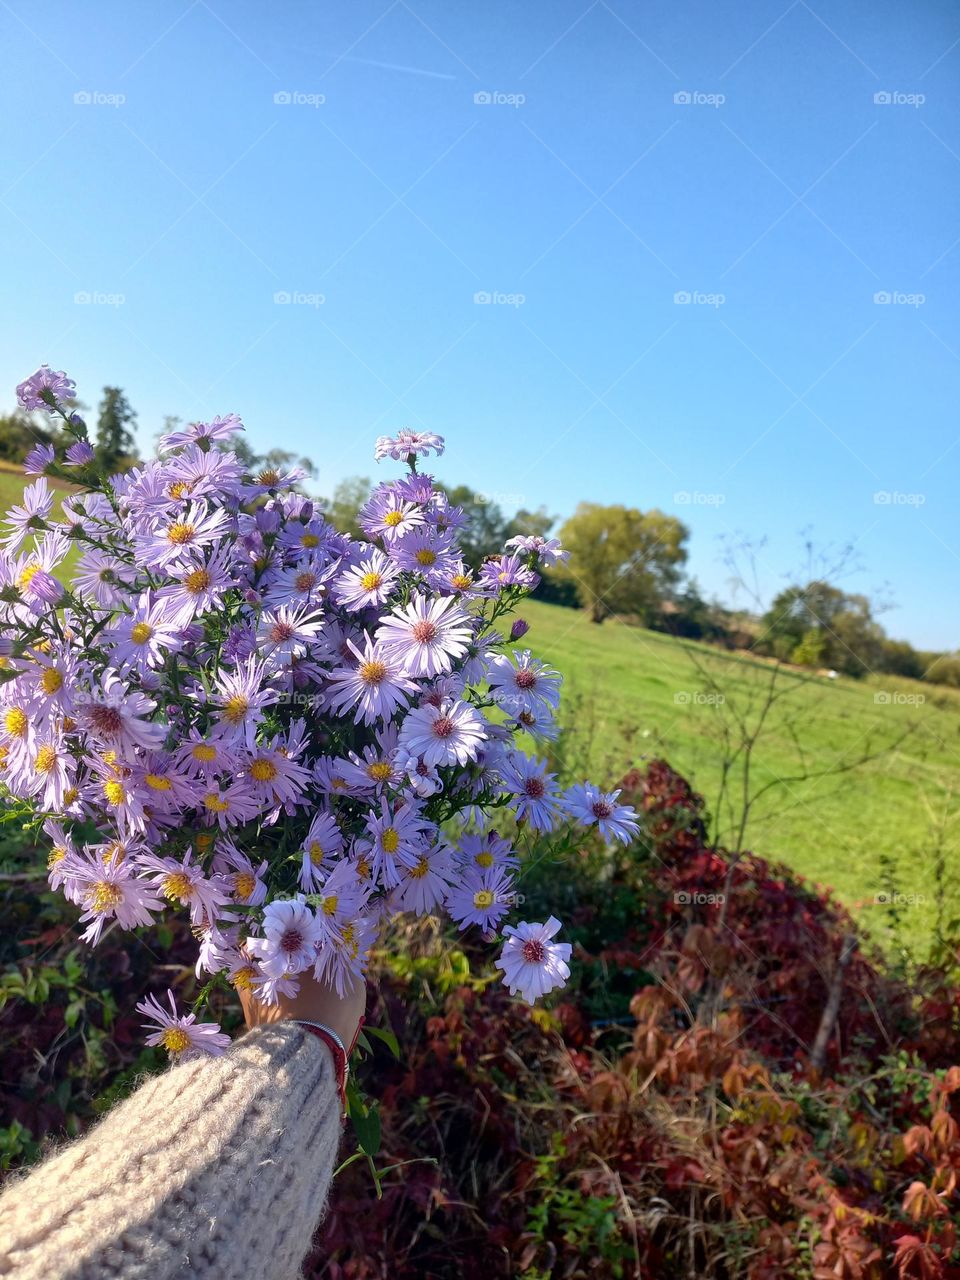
[
  {"x": 206, "y": 432},
  {"x": 182, "y": 1035},
  {"x": 115, "y": 716},
  {"x": 44, "y": 388},
  {"x": 143, "y": 639},
  {"x": 407, "y": 443},
  {"x": 388, "y": 515},
  {"x": 322, "y": 844},
  {"x": 185, "y": 883},
  {"x": 482, "y": 897},
  {"x": 547, "y": 550},
  {"x": 291, "y": 935},
  {"x": 588, "y": 805},
  {"x": 450, "y": 733},
  {"x": 368, "y": 583},
  {"x": 535, "y": 791},
  {"x": 192, "y": 529},
  {"x": 80, "y": 454},
  {"x": 40, "y": 458},
  {"x": 109, "y": 890},
  {"x": 525, "y": 686},
  {"x": 242, "y": 699},
  {"x": 531, "y": 963},
  {"x": 507, "y": 571},
  {"x": 29, "y": 515},
  {"x": 426, "y": 636},
  {"x": 377, "y": 686}
]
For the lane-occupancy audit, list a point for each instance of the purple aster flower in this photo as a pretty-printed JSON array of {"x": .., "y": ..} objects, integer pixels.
[
  {"x": 242, "y": 698},
  {"x": 79, "y": 454},
  {"x": 450, "y": 733},
  {"x": 396, "y": 839},
  {"x": 321, "y": 845},
  {"x": 31, "y": 514},
  {"x": 143, "y": 639},
  {"x": 39, "y": 459},
  {"x": 376, "y": 686},
  {"x": 291, "y": 935},
  {"x": 525, "y": 686},
  {"x": 531, "y": 963},
  {"x": 407, "y": 443},
  {"x": 387, "y": 515},
  {"x": 424, "y": 886},
  {"x": 588, "y": 805},
  {"x": 193, "y": 528},
  {"x": 116, "y": 716},
  {"x": 44, "y": 388},
  {"x": 482, "y": 897},
  {"x": 185, "y": 883},
  {"x": 426, "y": 636},
  {"x": 109, "y": 889},
  {"x": 519, "y": 628},
  {"x": 537, "y": 796},
  {"x": 486, "y": 851},
  {"x": 183, "y": 1037},
  {"x": 547, "y": 550},
  {"x": 507, "y": 571},
  {"x": 208, "y": 432},
  {"x": 424, "y": 551},
  {"x": 368, "y": 583}
]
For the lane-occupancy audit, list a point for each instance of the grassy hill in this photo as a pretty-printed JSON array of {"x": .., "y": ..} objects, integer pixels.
[{"x": 633, "y": 693}]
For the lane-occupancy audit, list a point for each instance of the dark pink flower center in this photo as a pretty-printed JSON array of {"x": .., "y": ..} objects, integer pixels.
[
  {"x": 525, "y": 679},
  {"x": 602, "y": 808},
  {"x": 106, "y": 719},
  {"x": 443, "y": 726},
  {"x": 534, "y": 788},
  {"x": 534, "y": 951},
  {"x": 424, "y": 631},
  {"x": 292, "y": 940}
]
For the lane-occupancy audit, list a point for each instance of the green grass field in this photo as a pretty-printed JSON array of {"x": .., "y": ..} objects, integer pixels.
[{"x": 633, "y": 694}]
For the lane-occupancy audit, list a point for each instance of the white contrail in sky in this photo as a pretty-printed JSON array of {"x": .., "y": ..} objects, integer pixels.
[{"x": 384, "y": 66}]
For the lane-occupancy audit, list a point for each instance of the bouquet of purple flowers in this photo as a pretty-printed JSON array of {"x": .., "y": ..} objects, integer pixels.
[{"x": 237, "y": 712}]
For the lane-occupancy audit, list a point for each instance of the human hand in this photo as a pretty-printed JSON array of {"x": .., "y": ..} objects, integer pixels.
[{"x": 314, "y": 1002}]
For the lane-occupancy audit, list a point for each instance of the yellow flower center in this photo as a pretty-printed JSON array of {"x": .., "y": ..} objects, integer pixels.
[
  {"x": 16, "y": 722},
  {"x": 263, "y": 770},
  {"x": 484, "y": 859},
  {"x": 196, "y": 581},
  {"x": 363, "y": 868},
  {"x": 214, "y": 803},
  {"x": 329, "y": 905},
  {"x": 460, "y": 581},
  {"x": 373, "y": 672},
  {"x": 421, "y": 869},
  {"x": 175, "y": 1040},
  {"x": 309, "y": 540},
  {"x": 70, "y": 796},
  {"x": 51, "y": 681},
  {"x": 46, "y": 759},
  {"x": 105, "y": 897},
  {"x": 235, "y": 708},
  {"x": 141, "y": 632},
  {"x": 483, "y": 898},
  {"x": 349, "y": 935},
  {"x": 204, "y": 840},
  {"x": 316, "y": 853},
  {"x": 114, "y": 853},
  {"x": 56, "y": 854},
  {"x": 370, "y": 581},
  {"x": 380, "y": 771},
  {"x": 244, "y": 884},
  {"x": 243, "y": 978},
  {"x": 179, "y": 489},
  {"x": 158, "y": 782},
  {"x": 204, "y": 752},
  {"x": 177, "y": 886},
  {"x": 425, "y": 556},
  {"x": 180, "y": 534},
  {"x": 390, "y": 840},
  {"x": 27, "y": 576},
  {"x": 393, "y": 518},
  {"x": 114, "y": 792}
]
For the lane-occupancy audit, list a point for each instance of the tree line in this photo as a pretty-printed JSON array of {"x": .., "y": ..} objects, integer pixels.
[{"x": 623, "y": 562}]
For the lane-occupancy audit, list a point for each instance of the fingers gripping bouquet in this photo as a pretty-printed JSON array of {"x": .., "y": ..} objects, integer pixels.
[{"x": 237, "y": 712}]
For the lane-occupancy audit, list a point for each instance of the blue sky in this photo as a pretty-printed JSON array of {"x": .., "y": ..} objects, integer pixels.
[{"x": 578, "y": 194}]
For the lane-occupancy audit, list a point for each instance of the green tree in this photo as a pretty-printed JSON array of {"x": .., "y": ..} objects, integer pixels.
[
  {"x": 820, "y": 618},
  {"x": 621, "y": 559},
  {"x": 115, "y": 443},
  {"x": 348, "y": 497}
]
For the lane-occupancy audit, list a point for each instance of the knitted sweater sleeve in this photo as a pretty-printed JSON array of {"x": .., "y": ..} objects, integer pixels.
[{"x": 216, "y": 1168}]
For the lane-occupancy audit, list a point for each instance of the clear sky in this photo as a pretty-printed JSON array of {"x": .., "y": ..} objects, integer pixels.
[{"x": 578, "y": 193}]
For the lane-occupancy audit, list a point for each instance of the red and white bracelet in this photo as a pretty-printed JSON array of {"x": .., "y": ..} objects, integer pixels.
[{"x": 341, "y": 1055}]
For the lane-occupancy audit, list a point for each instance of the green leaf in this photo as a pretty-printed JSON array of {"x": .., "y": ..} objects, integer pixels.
[
  {"x": 366, "y": 1126},
  {"x": 387, "y": 1037}
]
